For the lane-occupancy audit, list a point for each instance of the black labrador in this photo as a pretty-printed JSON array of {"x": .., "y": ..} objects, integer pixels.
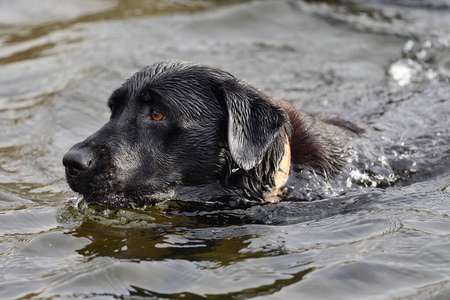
[{"x": 191, "y": 132}]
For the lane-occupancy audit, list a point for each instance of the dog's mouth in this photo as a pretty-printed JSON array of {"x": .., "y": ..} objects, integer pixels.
[
  {"x": 130, "y": 199},
  {"x": 111, "y": 200}
]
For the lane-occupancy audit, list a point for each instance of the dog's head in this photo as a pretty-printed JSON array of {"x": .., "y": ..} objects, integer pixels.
[{"x": 175, "y": 125}]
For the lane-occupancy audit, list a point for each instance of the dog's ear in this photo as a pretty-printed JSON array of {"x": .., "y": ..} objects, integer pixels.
[{"x": 254, "y": 121}]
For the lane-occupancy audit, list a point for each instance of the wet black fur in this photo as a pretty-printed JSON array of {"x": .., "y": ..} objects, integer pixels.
[
  {"x": 221, "y": 139},
  {"x": 219, "y": 133}
]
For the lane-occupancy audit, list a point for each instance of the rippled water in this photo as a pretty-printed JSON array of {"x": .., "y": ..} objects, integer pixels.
[{"x": 380, "y": 230}]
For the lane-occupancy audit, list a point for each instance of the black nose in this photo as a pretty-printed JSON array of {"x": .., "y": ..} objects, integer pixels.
[{"x": 77, "y": 160}]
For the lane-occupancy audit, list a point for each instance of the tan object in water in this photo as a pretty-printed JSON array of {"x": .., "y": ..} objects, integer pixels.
[{"x": 281, "y": 176}]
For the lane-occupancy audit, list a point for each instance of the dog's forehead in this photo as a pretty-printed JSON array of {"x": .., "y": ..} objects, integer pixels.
[
  {"x": 168, "y": 73},
  {"x": 187, "y": 88},
  {"x": 176, "y": 80}
]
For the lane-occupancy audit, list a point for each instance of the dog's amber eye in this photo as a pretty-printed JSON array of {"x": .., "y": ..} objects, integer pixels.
[{"x": 157, "y": 116}]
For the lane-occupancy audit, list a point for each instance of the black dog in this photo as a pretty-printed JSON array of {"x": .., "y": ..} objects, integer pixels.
[{"x": 191, "y": 132}]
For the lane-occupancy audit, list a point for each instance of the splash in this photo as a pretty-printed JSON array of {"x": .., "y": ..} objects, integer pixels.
[{"x": 422, "y": 62}]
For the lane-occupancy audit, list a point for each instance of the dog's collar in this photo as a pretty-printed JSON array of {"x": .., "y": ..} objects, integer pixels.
[{"x": 281, "y": 176}]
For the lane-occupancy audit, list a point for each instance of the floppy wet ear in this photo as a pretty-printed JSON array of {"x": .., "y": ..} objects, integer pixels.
[{"x": 254, "y": 121}]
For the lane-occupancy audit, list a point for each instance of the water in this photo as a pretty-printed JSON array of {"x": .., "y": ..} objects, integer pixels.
[{"x": 380, "y": 230}]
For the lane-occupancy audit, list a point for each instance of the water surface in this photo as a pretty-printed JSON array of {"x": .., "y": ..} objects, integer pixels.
[{"x": 380, "y": 230}]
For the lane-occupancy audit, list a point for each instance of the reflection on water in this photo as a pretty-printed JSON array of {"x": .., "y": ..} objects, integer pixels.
[
  {"x": 378, "y": 230},
  {"x": 53, "y": 15}
]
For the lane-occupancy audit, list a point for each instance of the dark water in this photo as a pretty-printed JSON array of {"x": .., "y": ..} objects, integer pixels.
[{"x": 380, "y": 230}]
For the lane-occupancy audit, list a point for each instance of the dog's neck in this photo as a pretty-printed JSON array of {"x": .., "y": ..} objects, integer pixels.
[
  {"x": 216, "y": 192},
  {"x": 281, "y": 176}
]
